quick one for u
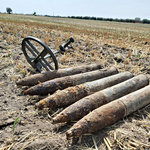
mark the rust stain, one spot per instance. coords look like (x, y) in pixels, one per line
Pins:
(97, 119)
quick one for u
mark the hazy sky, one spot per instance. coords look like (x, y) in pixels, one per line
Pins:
(97, 8)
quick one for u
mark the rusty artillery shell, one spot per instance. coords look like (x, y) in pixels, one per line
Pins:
(111, 112)
(72, 94)
(91, 102)
(61, 83)
(49, 75)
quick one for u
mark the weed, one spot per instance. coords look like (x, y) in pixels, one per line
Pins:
(22, 73)
(15, 124)
(138, 55)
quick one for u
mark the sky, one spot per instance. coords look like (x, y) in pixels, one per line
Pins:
(121, 9)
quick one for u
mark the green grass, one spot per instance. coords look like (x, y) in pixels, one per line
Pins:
(15, 124)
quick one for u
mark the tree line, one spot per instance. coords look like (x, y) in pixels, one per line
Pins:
(136, 20)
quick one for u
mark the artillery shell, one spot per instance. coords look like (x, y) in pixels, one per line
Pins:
(91, 102)
(49, 75)
(72, 94)
(110, 113)
(61, 83)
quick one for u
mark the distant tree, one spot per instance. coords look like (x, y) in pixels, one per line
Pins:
(110, 19)
(86, 17)
(100, 18)
(93, 18)
(34, 13)
(116, 19)
(132, 20)
(105, 19)
(9, 10)
(146, 21)
(127, 20)
(121, 20)
(138, 19)
(79, 17)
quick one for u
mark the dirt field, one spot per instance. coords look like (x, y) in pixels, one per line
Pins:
(125, 46)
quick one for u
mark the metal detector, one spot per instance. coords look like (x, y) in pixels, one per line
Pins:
(39, 55)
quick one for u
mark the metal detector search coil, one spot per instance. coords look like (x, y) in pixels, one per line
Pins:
(39, 55)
